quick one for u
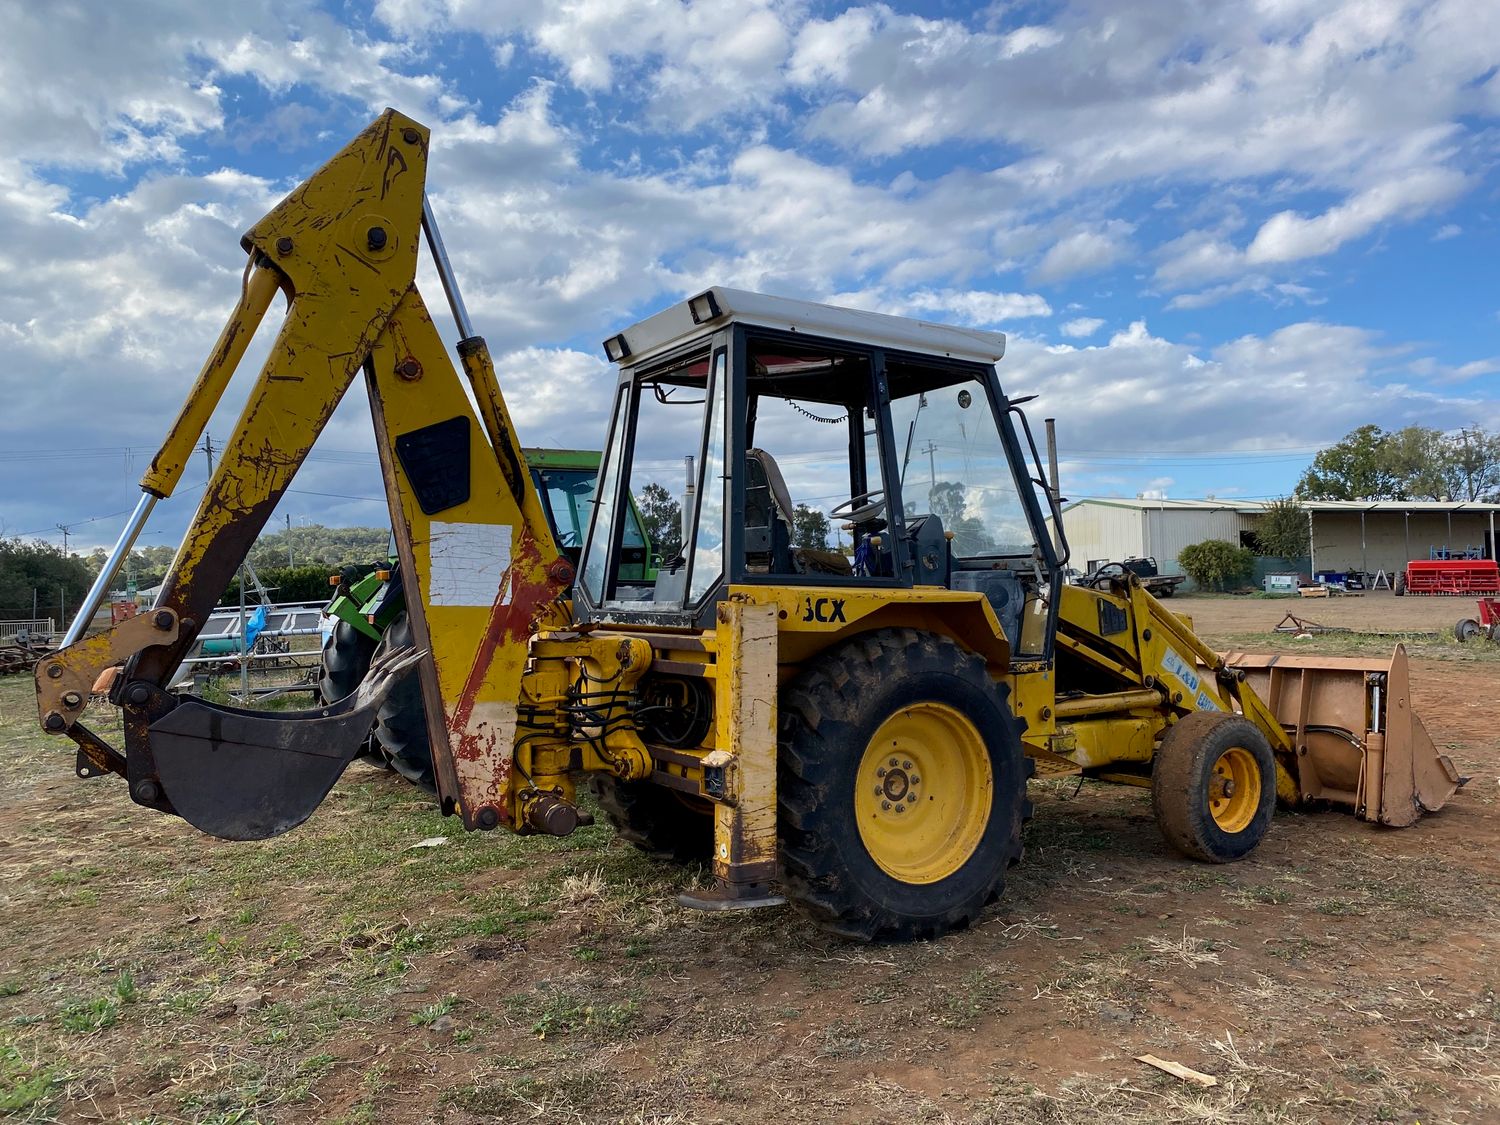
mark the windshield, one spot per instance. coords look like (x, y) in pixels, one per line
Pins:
(953, 465)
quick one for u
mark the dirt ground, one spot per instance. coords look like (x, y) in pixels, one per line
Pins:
(342, 973)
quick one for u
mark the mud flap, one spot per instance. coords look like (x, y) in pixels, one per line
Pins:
(249, 775)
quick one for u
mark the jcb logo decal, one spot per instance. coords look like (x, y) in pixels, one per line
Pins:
(825, 610)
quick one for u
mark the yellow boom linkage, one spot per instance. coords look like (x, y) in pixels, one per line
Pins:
(470, 531)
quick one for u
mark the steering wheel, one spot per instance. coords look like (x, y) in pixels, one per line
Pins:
(858, 509)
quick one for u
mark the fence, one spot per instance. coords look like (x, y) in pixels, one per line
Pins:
(8, 629)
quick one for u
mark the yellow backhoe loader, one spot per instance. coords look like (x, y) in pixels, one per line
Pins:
(850, 730)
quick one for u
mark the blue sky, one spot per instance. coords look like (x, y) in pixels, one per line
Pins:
(1219, 236)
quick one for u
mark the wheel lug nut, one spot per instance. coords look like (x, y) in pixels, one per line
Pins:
(915, 780)
(900, 808)
(906, 765)
(881, 772)
(885, 804)
(894, 762)
(879, 790)
(911, 798)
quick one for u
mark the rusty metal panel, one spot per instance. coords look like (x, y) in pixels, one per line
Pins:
(478, 572)
(745, 716)
(1357, 740)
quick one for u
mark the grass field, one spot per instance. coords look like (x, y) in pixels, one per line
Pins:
(345, 973)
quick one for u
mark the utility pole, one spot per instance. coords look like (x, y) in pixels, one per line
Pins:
(289, 562)
(64, 529)
(930, 450)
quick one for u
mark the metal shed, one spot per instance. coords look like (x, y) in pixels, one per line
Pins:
(1365, 535)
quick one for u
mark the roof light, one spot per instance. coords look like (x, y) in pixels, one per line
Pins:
(704, 307)
(616, 348)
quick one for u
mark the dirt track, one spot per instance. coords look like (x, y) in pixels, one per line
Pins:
(1343, 973)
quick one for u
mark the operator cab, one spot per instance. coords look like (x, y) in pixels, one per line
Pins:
(829, 447)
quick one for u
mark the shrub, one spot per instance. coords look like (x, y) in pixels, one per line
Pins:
(1214, 563)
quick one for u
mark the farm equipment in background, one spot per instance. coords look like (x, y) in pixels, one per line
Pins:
(1487, 625)
(1157, 584)
(852, 734)
(22, 650)
(1451, 577)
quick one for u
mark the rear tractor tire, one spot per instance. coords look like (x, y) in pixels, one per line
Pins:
(902, 787)
(656, 820)
(346, 660)
(345, 663)
(401, 722)
(1213, 786)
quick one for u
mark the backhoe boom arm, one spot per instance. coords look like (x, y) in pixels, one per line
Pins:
(478, 556)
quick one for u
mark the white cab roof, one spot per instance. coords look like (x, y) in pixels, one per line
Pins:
(675, 324)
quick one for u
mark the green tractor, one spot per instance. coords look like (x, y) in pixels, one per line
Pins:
(368, 610)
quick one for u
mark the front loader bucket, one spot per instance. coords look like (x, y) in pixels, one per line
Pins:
(249, 775)
(1358, 742)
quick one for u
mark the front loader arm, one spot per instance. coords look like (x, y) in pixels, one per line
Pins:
(477, 552)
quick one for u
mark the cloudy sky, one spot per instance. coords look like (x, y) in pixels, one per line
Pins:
(1219, 235)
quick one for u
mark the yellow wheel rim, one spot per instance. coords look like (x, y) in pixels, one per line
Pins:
(1234, 789)
(923, 793)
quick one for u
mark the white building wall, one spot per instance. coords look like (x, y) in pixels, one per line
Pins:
(1169, 530)
(1102, 532)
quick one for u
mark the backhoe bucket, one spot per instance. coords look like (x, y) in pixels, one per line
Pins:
(1357, 741)
(249, 775)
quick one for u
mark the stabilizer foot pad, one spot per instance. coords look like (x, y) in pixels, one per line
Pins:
(731, 896)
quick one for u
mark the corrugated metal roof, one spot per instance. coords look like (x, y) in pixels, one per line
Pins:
(1254, 507)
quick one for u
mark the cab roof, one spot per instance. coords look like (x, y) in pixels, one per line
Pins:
(718, 307)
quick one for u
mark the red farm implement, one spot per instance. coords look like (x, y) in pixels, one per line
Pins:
(1449, 577)
(1487, 625)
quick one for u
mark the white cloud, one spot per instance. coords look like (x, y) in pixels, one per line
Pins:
(1311, 382)
(1083, 252)
(1288, 236)
(1082, 326)
(1447, 231)
(1276, 292)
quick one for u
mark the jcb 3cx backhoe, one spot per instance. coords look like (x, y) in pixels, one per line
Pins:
(851, 733)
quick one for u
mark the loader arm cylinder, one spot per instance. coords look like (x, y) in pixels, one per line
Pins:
(95, 597)
(445, 271)
(256, 291)
(257, 288)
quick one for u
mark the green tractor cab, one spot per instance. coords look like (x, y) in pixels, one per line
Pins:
(369, 602)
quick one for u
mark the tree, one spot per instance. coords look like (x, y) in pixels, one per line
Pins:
(1282, 531)
(329, 547)
(39, 570)
(1354, 468)
(810, 528)
(1214, 563)
(662, 515)
(1418, 462)
(1474, 464)
(1413, 463)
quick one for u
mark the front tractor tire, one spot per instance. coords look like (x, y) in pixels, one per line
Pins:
(902, 787)
(1213, 786)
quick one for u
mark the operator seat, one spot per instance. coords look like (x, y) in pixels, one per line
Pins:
(768, 515)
